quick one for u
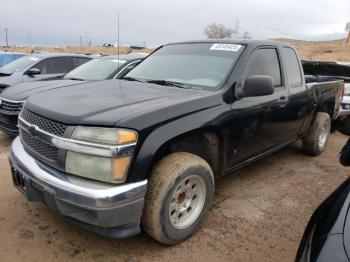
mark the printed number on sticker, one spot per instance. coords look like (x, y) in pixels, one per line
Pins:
(225, 47)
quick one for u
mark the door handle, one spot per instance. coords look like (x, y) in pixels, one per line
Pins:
(283, 101)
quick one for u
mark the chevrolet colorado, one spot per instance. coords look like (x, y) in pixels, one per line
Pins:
(145, 150)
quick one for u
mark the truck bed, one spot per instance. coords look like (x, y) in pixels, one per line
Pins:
(325, 82)
(327, 91)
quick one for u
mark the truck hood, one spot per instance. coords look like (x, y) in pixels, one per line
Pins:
(22, 91)
(11, 79)
(105, 103)
(5, 73)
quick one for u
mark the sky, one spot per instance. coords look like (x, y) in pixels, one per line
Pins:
(154, 22)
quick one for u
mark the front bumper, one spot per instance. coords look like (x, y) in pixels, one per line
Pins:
(109, 210)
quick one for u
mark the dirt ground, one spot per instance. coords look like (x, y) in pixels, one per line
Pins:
(259, 214)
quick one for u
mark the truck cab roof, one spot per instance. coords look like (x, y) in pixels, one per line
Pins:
(252, 43)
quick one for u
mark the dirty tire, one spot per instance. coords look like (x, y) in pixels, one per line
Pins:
(344, 126)
(167, 176)
(316, 139)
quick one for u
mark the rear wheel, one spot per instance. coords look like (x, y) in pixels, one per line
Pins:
(316, 139)
(179, 195)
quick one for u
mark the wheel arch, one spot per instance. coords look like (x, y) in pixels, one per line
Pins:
(328, 107)
(205, 142)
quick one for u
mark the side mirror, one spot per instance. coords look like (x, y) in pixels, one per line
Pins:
(33, 71)
(258, 85)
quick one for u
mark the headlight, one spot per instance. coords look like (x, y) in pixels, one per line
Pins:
(108, 169)
(113, 136)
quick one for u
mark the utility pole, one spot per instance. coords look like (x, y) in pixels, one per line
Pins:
(347, 28)
(6, 36)
(118, 35)
(81, 41)
(86, 39)
(236, 29)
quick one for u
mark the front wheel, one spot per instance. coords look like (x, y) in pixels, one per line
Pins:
(179, 195)
(316, 139)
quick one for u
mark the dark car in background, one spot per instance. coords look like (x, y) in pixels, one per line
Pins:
(327, 235)
(39, 67)
(8, 57)
(102, 68)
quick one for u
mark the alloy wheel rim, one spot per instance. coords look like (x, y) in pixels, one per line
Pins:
(322, 138)
(187, 202)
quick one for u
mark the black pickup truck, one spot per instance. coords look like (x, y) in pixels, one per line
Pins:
(145, 150)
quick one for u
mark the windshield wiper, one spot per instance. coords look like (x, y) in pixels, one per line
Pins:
(129, 78)
(167, 83)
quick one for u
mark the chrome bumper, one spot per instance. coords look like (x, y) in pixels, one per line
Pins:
(96, 205)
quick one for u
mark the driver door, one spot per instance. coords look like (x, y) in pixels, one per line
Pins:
(258, 123)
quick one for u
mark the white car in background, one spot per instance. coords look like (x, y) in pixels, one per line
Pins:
(344, 111)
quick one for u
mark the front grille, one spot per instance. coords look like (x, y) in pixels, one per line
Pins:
(39, 147)
(11, 106)
(9, 126)
(45, 124)
(42, 149)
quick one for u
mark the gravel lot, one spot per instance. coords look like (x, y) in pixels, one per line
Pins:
(259, 214)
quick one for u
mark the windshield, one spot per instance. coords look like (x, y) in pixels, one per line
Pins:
(96, 69)
(203, 65)
(8, 58)
(20, 63)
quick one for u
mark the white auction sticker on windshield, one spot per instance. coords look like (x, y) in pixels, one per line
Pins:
(226, 47)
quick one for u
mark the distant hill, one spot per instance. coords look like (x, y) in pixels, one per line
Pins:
(80, 50)
(335, 50)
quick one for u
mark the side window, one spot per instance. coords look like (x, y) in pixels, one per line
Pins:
(77, 61)
(55, 65)
(265, 62)
(292, 66)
